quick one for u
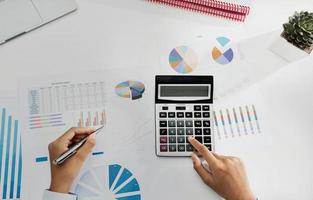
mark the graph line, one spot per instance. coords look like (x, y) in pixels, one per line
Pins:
(2, 140)
(7, 158)
(237, 122)
(256, 119)
(243, 120)
(13, 159)
(249, 118)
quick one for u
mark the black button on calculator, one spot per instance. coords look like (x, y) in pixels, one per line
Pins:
(180, 115)
(188, 114)
(197, 108)
(171, 115)
(163, 114)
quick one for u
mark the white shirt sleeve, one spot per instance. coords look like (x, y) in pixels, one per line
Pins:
(48, 195)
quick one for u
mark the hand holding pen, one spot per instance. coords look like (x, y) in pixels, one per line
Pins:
(62, 176)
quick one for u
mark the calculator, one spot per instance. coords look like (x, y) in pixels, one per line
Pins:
(183, 107)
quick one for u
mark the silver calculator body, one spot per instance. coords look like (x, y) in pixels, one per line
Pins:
(183, 107)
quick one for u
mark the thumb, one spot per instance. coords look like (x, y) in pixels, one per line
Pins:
(205, 175)
(86, 149)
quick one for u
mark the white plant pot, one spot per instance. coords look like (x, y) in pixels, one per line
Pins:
(286, 50)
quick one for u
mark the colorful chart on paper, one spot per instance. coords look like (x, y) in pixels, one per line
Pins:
(108, 182)
(221, 57)
(236, 121)
(130, 89)
(183, 59)
(10, 156)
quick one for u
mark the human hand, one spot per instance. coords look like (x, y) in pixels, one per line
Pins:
(226, 175)
(62, 176)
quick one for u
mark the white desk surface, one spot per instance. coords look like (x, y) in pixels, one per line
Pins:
(121, 34)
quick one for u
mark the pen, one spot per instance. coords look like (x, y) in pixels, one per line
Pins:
(73, 150)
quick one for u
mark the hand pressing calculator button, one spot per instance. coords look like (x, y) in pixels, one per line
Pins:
(183, 106)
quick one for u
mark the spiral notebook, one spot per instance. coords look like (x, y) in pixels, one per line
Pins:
(227, 10)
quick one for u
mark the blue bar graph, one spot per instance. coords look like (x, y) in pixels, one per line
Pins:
(7, 157)
(13, 159)
(2, 139)
(10, 157)
(19, 175)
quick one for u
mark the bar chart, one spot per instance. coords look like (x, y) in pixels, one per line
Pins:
(10, 156)
(236, 121)
(90, 118)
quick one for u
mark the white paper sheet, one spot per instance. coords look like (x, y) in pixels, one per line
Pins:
(49, 106)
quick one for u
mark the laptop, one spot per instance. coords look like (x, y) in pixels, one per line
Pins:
(21, 16)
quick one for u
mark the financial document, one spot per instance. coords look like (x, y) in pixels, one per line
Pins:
(49, 106)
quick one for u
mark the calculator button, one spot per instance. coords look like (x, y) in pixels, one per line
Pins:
(180, 131)
(198, 131)
(207, 139)
(171, 123)
(206, 124)
(164, 108)
(189, 124)
(171, 115)
(172, 139)
(198, 123)
(163, 123)
(181, 148)
(172, 131)
(189, 131)
(207, 131)
(180, 115)
(197, 114)
(197, 108)
(163, 148)
(163, 139)
(205, 108)
(206, 115)
(189, 147)
(208, 146)
(163, 131)
(180, 123)
(180, 108)
(172, 148)
(188, 114)
(163, 114)
(181, 139)
(199, 139)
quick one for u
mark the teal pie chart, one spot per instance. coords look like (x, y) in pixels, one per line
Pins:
(112, 182)
(220, 56)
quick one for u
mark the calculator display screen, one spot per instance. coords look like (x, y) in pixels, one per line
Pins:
(185, 91)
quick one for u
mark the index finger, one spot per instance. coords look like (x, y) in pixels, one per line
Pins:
(203, 151)
(74, 131)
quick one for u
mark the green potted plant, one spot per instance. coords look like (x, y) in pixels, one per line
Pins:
(299, 31)
(296, 40)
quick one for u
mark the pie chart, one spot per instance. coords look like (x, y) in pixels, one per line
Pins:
(112, 182)
(130, 89)
(220, 56)
(183, 59)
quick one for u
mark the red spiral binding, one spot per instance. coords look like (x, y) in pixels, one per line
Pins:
(212, 7)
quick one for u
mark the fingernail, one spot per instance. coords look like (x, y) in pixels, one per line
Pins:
(190, 138)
